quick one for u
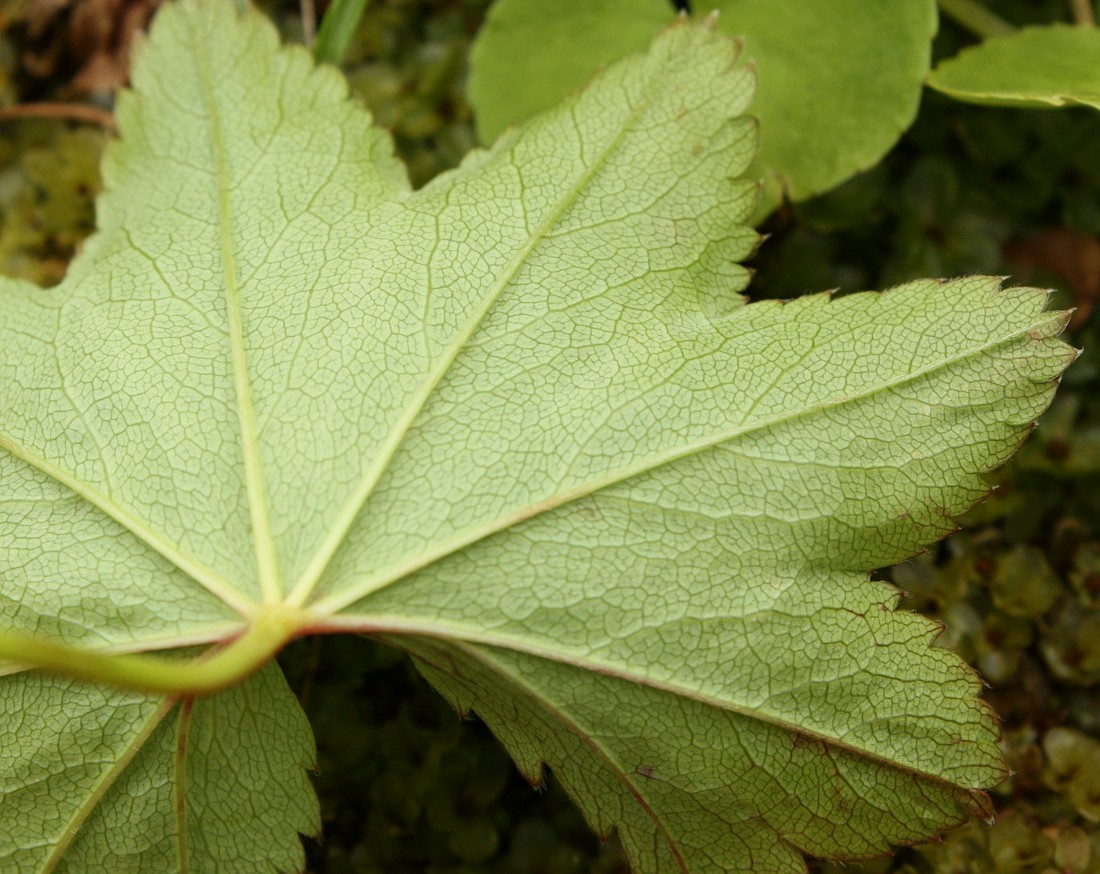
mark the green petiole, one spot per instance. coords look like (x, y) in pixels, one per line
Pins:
(337, 29)
(271, 629)
(976, 18)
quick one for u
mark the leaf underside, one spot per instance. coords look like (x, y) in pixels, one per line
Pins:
(518, 423)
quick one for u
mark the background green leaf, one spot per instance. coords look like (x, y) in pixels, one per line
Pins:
(1038, 67)
(526, 57)
(839, 80)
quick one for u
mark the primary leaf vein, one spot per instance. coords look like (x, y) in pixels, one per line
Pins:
(388, 576)
(263, 539)
(374, 471)
(204, 576)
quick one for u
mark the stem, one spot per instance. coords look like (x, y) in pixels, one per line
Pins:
(309, 22)
(337, 28)
(976, 18)
(1083, 13)
(69, 111)
(271, 629)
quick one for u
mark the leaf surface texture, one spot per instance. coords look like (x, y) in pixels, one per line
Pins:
(518, 423)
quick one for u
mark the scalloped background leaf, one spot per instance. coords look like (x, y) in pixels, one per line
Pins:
(839, 80)
(1038, 68)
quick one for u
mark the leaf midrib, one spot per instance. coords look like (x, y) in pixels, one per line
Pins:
(337, 534)
(573, 728)
(388, 576)
(209, 579)
(104, 784)
(455, 634)
(263, 540)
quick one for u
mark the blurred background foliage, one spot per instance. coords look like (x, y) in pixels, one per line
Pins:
(406, 788)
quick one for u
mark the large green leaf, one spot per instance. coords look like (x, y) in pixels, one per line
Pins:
(517, 423)
(839, 80)
(528, 56)
(1037, 67)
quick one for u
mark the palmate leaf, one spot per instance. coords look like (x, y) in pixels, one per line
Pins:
(517, 423)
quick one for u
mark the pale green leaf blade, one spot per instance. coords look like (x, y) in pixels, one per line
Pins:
(1036, 67)
(699, 382)
(578, 257)
(111, 781)
(248, 796)
(126, 509)
(730, 572)
(382, 406)
(733, 795)
(62, 741)
(171, 300)
(71, 572)
(839, 81)
(206, 376)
